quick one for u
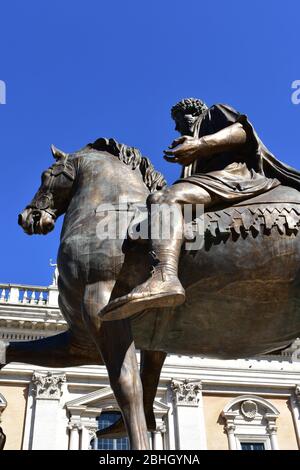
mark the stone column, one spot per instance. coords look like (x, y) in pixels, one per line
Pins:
(170, 420)
(230, 428)
(87, 434)
(272, 429)
(295, 408)
(47, 388)
(158, 441)
(189, 420)
(95, 443)
(3, 347)
(74, 433)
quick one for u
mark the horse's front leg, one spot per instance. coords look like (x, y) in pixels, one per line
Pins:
(115, 343)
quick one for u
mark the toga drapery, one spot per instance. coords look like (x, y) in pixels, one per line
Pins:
(236, 175)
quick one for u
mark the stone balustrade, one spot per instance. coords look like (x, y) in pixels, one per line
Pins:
(28, 295)
(29, 312)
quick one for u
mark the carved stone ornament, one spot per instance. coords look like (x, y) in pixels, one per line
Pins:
(75, 425)
(297, 394)
(92, 434)
(162, 428)
(249, 409)
(272, 428)
(185, 392)
(48, 386)
(230, 428)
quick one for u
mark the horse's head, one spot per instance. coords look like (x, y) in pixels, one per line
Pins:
(52, 198)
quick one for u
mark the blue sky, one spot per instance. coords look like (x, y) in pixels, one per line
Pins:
(78, 70)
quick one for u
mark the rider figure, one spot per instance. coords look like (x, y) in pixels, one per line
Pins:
(223, 161)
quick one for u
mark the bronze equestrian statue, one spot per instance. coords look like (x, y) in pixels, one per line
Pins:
(223, 162)
(236, 296)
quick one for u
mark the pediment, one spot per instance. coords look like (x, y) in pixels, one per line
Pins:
(104, 398)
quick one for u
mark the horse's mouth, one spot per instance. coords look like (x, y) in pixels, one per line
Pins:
(36, 222)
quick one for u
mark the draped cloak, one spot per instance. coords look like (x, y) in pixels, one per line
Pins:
(237, 174)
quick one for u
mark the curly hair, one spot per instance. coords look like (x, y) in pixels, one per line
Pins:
(189, 104)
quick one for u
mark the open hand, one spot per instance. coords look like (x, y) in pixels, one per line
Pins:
(183, 150)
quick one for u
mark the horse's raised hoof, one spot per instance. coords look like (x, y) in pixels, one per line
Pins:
(124, 307)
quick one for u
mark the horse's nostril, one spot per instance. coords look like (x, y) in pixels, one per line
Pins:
(20, 219)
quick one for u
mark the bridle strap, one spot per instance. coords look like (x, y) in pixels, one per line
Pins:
(44, 201)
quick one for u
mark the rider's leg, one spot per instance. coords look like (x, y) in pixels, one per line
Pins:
(162, 289)
(167, 249)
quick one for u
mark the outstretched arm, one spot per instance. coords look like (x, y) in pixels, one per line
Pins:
(186, 149)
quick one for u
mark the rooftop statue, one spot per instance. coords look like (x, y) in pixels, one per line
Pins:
(55, 273)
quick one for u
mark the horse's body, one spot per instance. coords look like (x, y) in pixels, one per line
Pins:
(242, 287)
(84, 259)
(242, 295)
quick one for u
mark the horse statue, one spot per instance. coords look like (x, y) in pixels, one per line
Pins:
(242, 284)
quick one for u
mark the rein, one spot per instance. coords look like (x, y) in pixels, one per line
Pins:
(45, 201)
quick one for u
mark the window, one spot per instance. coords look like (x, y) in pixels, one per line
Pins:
(104, 420)
(250, 423)
(252, 446)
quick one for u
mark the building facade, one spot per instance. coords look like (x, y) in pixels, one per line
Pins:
(250, 404)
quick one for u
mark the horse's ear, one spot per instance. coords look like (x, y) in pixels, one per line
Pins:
(58, 154)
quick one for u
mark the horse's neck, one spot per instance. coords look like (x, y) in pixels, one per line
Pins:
(103, 179)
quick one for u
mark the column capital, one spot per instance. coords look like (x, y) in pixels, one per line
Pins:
(77, 426)
(272, 429)
(297, 393)
(230, 428)
(271, 423)
(162, 428)
(92, 433)
(186, 392)
(48, 385)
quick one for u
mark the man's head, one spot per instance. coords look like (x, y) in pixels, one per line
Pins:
(185, 113)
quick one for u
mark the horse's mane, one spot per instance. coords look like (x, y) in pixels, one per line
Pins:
(132, 156)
